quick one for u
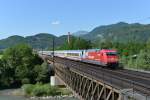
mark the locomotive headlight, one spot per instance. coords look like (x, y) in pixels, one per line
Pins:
(112, 59)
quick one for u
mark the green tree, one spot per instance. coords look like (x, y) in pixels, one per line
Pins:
(18, 64)
(81, 44)
(143, 60)
(148, 44)
(76, 43)
(41, 72)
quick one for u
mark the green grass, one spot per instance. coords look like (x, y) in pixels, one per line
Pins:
(65, 91)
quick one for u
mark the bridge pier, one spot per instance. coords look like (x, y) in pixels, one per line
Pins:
(55, 81)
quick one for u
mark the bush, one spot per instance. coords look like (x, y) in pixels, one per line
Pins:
(53, 91)
(28, 88)
(40, 90)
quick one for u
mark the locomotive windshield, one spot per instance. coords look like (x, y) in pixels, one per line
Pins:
(111, 53)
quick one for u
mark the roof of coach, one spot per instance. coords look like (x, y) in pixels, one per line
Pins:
(108, 50)
(93, 50)
(69, 51)
(74, 51)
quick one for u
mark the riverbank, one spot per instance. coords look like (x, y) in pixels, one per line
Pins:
(14, 94)
(11, 92)
(18, 94)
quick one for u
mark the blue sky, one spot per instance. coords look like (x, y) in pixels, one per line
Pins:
(29, 17)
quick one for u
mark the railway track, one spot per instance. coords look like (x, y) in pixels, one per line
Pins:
(122, 79)
(136, 73)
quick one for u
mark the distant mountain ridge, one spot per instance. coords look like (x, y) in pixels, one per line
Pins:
(39, 41)
(80, 33)
(119, 32)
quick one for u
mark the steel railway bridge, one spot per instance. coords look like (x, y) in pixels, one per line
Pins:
(91, 82)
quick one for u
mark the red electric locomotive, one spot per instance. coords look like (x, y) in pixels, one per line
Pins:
(103, 57)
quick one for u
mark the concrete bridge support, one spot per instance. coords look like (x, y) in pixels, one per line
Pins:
(55, 81)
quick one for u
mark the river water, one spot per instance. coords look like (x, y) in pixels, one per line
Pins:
(2, 97)
(5, 95)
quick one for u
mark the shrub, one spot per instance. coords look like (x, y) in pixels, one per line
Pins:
(28, 88)
(53, 91)
(40, 90)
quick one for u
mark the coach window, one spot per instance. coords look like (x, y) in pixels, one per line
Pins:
(82, 52)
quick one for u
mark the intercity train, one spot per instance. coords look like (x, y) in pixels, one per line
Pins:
(103, 57)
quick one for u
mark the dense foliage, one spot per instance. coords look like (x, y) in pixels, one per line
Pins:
(1, 52)
(20, 65)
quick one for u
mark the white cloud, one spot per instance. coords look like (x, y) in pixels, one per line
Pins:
(55, 23)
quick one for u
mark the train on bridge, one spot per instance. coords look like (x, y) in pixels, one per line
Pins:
(104, 57)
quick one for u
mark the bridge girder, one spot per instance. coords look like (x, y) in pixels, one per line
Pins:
(84, 87)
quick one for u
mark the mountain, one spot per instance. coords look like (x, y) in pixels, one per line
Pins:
(120, 32)
(80, 33)
(12, 40)
(39, 41)
(42, 40)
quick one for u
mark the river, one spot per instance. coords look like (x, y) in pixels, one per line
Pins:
(4, 97)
